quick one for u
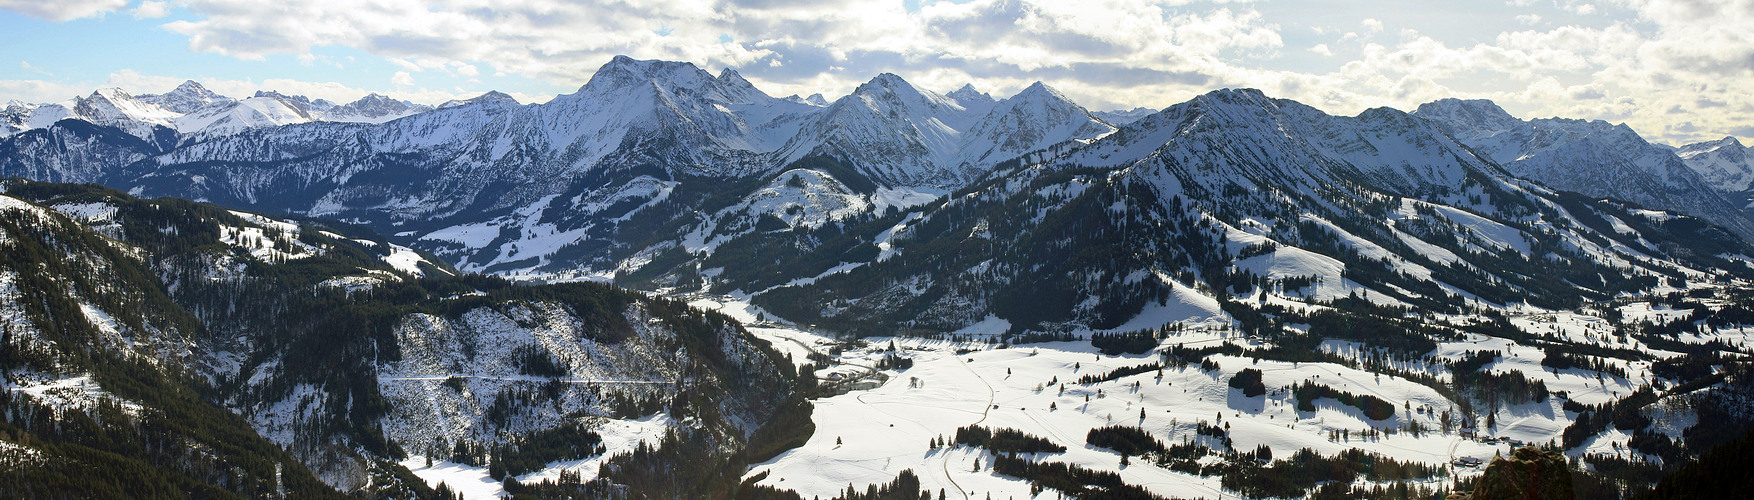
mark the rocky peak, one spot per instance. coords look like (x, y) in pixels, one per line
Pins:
(968, 95)
(623, 71)
(186, 98)
(1457, 115)
(298, 102)
(1726, 144)
(883, 83)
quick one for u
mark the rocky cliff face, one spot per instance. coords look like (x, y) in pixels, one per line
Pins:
(1529, 473)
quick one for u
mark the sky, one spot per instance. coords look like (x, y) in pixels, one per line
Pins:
(1677, 71)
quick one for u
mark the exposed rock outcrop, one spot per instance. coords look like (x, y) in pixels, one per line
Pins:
(1529, 474)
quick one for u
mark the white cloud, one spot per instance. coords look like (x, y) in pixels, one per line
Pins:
(784, 46)
(62, 10)
(27, 66)
(40, 90)
(152, 10)
(1630, 60)
(405, 64)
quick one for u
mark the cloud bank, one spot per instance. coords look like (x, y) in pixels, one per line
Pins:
(1629, 61)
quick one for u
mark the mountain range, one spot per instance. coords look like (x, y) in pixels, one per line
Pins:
(192, 112)
(365, 282)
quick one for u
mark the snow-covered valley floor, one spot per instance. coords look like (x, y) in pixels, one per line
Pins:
(870, 434)
(868, 437)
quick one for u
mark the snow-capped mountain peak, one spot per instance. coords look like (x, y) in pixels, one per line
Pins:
(1043, 91)
(492, 97)
(904, 136)
(1037, 118)
(1484, 114)
(622, 72)
(967, 95)
(186, 98)
(893, 93)
(1727, 141)
(1241, 137)
(264, 110)
(114, 103)
(737, 89)
(1121, 117)
(1592, 157)
(896, 133)
(298, 101)
(373, 108)
(1244, 100)
(1724, 163)
(116, 108)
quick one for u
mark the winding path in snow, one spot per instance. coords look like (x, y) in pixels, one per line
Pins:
(985, 410)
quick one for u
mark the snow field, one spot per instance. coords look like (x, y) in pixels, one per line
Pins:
(475, 484)
(885, 430)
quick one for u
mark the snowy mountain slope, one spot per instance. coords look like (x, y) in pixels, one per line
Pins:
(97, 359)
(15, 117)
(895, 134)
(654, 168)
(115, 108)
(1589, 157)
(230, 118)
(188, 97)
(1725, 163)
(110, 107)
(1035, 119)
(902, 136)
(71, 151)
(347, 352)
(487, 161)
(1123, 117)
(1727, 166)
(972, 99)
(491, 96)
(373, 108)
(1232, 193)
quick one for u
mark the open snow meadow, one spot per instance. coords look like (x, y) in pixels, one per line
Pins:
(869, 436)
